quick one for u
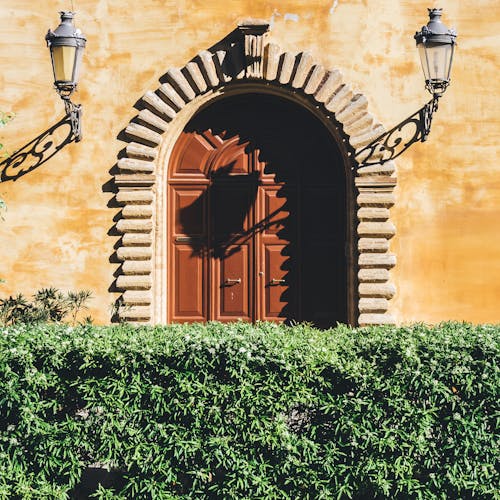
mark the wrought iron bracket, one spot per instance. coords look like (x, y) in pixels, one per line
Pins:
(426, 116)
(396, 141)
(74, 113)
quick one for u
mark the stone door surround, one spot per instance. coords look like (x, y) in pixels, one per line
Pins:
(249, 63)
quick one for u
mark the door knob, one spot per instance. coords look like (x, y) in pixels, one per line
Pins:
(230, 281)
(275, 281)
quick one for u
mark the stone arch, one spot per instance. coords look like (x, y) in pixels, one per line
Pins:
(249, 62)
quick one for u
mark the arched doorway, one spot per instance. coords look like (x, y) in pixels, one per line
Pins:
(248, 63)
(257, 218)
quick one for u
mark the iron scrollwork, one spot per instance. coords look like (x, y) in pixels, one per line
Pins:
(37, 151)
(396, 141)
(74, 113)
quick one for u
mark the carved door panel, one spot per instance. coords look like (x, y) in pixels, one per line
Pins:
(276, 252)
(232, 248)
(187, 255)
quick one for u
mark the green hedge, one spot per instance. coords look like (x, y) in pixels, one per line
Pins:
(241, 411)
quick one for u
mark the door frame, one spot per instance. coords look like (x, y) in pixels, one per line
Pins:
(249, 64)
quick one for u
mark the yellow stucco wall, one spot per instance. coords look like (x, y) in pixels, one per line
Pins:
(55, 231)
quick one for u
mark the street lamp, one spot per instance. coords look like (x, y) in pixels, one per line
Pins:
(66, 46)
(436, 44)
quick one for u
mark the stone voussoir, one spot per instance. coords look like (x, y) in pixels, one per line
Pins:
(306, 62)
(363, 122)
(152, 120)
(362, 140)
(374, 275)
(373, 305)
(315, 78)
(135, 196)
(386, 168)
(128, 165)
(332, 80)
(134, 282)
(373, 245)
(339, 100)
(141, 152)
(137, 267)
(209, 70)
(373, 213)
(385, 260)
(141, 132)
(160, 106)
(374, 199)
(180, 84)
(135, 313)
(137, 211)
(271, 61)
(134, 253)
(384, 290)
(287, 64)
(168, 91)
(375, 319)
(137, 297)
(137, 239)
(355, 108)
(376, 229)
(193, 70)
(134, 225)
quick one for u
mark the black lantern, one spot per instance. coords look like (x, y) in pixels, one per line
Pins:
(436, 44)
(66, 46)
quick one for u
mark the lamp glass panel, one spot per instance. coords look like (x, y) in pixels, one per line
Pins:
(450, 59)
(63, 61)
(78, 64)
(438, 58)
(423, 59)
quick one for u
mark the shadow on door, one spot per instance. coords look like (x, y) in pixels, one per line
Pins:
(279, 197)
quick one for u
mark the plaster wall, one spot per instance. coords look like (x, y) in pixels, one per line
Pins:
(56, 229)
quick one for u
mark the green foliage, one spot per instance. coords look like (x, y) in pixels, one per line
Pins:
(48, 304)
(4, 119)
(239, 411)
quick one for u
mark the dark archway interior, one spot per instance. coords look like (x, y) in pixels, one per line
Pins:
(294, 158)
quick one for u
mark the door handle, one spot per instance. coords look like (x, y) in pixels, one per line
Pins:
(275, 281)
(231, 281)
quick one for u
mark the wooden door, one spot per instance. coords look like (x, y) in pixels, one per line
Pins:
(257, 216)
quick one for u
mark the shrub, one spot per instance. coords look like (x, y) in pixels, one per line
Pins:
(48, 304)
(241, 411)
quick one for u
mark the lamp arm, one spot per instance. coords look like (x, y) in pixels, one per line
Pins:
(426, 114)
(397, 140)
(74, 112)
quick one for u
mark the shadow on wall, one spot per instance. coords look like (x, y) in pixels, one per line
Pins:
(36, 152)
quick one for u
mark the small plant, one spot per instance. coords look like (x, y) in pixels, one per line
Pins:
(4, 119)
(48, 305)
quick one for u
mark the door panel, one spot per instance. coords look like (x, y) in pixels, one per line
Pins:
(275, 283)
(189, 296)
(189, 207)
(188, 240)
(235, 289)
(276, 221)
